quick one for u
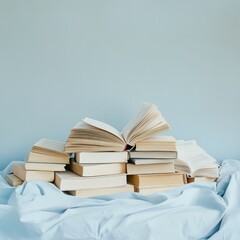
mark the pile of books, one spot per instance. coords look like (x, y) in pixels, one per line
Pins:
(106, 161)
(95, 173)
(151, 166)
(101, 154)
(45, 158)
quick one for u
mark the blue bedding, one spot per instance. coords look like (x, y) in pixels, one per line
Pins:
(39, 210)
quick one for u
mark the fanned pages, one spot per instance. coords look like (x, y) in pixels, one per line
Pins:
(95, 136)
(194, 161)
(148, 122)
(49, 146)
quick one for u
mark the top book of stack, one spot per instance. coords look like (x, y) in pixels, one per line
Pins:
(94, 136)
(157, 143)
(48, 151)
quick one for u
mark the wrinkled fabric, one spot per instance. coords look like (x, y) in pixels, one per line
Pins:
(39, 210)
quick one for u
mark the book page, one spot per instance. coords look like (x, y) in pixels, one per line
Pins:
(103, 126)
(148, 122)
(190, 153)
(50, 144)
(144, 109)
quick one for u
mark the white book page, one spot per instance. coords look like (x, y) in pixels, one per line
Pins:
(50, 144)
(194, 156)
(103, 126)
(146, 107)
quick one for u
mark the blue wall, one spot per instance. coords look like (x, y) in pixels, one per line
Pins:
(63, 60)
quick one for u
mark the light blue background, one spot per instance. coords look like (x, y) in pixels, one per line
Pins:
(63, 60)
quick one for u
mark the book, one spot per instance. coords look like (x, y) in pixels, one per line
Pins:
(13, 180)
(67, 181)
(29, 175)
(133, 169)
(97, 169)
(157, 180)
(45, 166)
(194, 161)
(200, 179)
(101, 191)
(157, 143)
(101, 157)
(48, 151)
(147, 191)
(143, 161)
(91, 135)
(153, 154)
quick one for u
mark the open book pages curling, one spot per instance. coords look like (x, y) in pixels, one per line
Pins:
(194, 161)
(92, 135)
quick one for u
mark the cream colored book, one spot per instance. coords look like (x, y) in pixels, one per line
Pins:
(45, 166)
(101, 157)
(194, 161)
(157, 143)
(92, 135)
(143, 161)
(97, 169)
(133, 169)
(43, 158)
(153, 154)
(148, 191)
(102, 191)
(200, 179)
(28, 175)
(157, 180)
(48, 151)
(68, 181)
(13, 180)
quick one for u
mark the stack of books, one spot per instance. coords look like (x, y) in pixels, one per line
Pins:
(95, 173)
(45, 158)
(102, 151)
(151, 166)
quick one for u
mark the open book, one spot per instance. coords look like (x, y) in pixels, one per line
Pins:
(92, 135)
(194, 161)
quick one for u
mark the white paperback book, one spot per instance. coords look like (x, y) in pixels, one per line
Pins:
(195, 161)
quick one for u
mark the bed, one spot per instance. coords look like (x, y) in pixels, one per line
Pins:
(39, 210)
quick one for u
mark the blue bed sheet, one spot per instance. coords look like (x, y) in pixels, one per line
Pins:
(39, 210)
